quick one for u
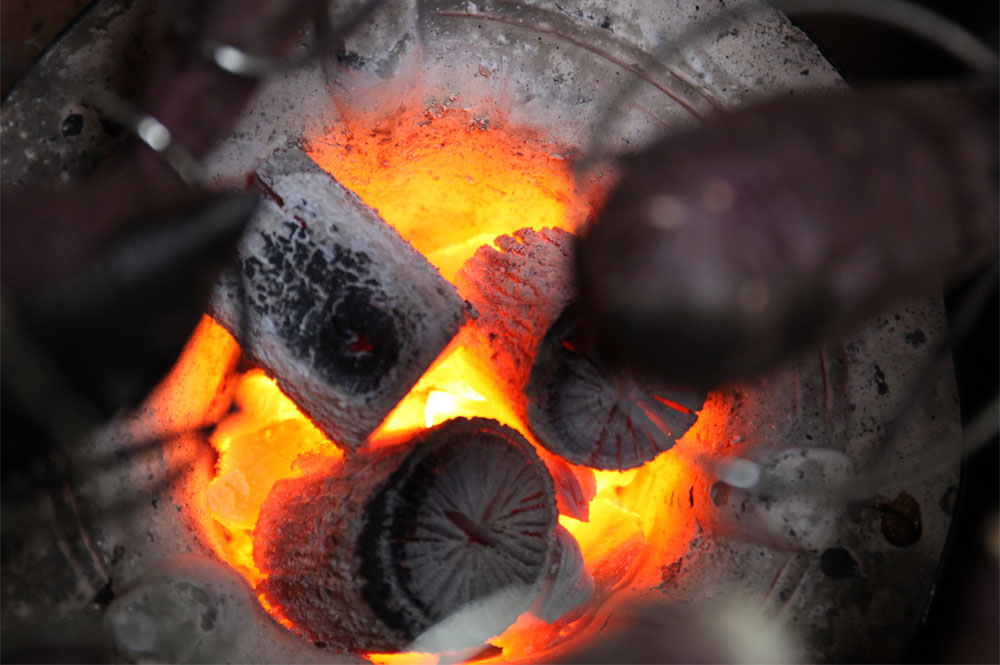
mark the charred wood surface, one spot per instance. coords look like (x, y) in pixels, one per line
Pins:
(332, 302)
(576, 405)
(372, 553)
(569, 584)
(593, 415)
(519, 288)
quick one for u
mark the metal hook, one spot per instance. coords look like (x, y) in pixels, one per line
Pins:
(149, 130)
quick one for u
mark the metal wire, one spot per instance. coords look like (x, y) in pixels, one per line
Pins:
(32, 377)
(149, 130)
(240, 62)
(230, 59)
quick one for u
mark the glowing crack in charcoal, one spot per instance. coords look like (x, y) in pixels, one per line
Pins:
(449, 184)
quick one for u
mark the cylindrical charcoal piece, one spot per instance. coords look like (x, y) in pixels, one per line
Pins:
(569, 584)
(596, 416)
(391, 542)
(332, 302)
(519, 288)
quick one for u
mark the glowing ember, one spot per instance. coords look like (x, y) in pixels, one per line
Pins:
(265, 441)
(449, 185)
(455, 386)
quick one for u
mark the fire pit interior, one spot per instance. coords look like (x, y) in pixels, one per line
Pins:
(449, 183)
(387, 425)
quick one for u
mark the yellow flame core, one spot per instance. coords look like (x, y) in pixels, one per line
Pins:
(455, 386)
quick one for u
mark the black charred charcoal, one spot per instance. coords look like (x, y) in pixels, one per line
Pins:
(332, 302)
(470, 513)
(378, 550)
(590, 414)
(576, 406)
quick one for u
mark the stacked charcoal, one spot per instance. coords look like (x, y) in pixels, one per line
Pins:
(387, 548)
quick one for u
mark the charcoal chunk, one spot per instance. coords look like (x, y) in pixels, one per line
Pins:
(518, 288)
(578, 406)
(597, 416)
(332, 302)
(376, 551)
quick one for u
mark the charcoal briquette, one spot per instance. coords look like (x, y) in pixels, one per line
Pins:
(332, 302)
(372, 553)
(597, 416)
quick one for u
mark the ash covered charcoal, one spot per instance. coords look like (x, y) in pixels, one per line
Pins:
(519, 288)
(569, 584)
(590, 414)
(373, 553)
(332, 302)
(576, 406)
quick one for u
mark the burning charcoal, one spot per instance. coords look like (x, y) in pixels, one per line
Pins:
(581, 409)
(575, 486)
(519, 291)
(576, 406)
(332, 302)
(569, 584)
(382, 548)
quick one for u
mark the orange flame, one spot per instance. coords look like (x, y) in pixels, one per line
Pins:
(448, 184)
